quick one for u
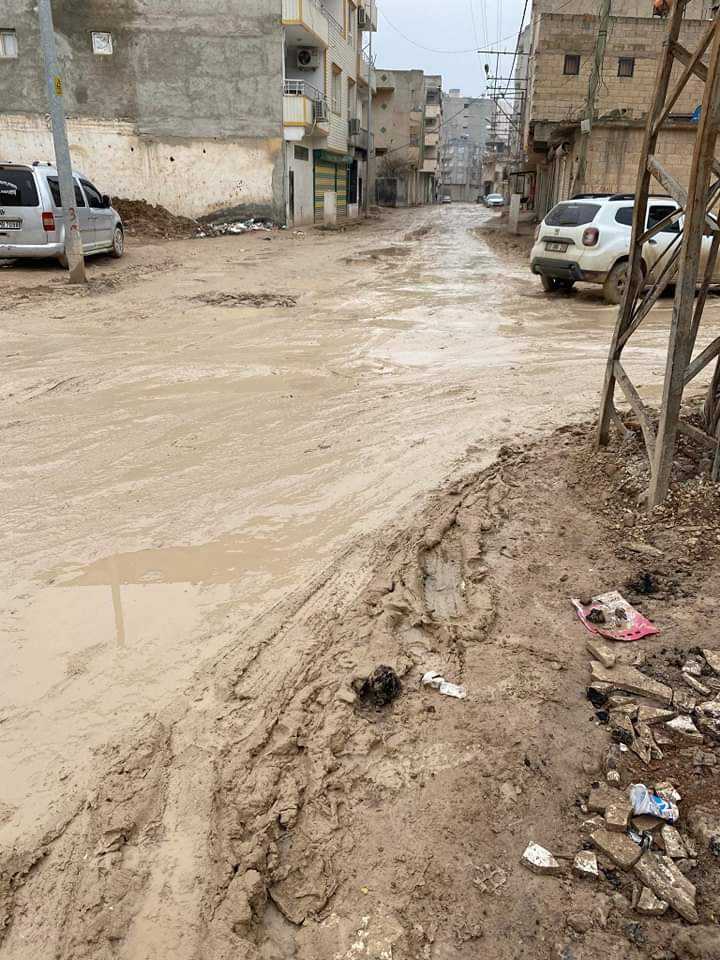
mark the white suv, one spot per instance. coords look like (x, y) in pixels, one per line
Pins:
(588, 239)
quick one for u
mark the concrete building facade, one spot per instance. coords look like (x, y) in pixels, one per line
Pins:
(190, 108)
(563, 37)
(407, 119)
(463, 141)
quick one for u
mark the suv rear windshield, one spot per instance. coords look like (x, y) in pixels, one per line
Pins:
(572, 214)
(17, 188)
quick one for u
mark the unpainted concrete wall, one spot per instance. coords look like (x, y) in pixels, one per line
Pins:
(200, 83)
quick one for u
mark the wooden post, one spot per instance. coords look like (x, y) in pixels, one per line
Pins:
(682, 328)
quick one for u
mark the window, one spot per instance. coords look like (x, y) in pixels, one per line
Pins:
(658, 212)
(572, 214)
(336, 89)
(624, 216)
(8, 44)
(626, 66)
(301, 153)
(17, 189)
(93, 195)
(571, 67)
(102, 44)
(54, 185)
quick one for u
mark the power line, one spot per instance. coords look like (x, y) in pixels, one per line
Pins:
(421, 46)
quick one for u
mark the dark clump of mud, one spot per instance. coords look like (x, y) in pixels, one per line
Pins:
(245, 299)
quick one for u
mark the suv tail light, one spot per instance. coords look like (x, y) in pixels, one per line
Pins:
(48, 222)
(590, 237)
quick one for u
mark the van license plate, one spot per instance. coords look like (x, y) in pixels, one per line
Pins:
(10, 224)
(557, 247)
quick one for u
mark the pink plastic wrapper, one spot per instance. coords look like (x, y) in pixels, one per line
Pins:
(622, 621)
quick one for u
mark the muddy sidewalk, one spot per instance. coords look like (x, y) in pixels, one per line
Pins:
(269, 812)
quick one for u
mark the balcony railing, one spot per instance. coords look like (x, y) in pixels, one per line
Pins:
(301, 88)
(304, 104)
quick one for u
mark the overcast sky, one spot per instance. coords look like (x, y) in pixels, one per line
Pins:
(455, 25)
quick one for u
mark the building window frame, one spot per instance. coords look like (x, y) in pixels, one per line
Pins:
(8, 43)
(571, 65)
(626, 67)
(336, 89)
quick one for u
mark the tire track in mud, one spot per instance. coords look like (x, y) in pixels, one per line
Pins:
(238, 802)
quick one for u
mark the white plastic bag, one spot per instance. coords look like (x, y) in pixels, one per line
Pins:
(434, 680)
(644, 801)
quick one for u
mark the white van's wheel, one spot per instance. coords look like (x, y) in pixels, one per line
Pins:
(118, 246)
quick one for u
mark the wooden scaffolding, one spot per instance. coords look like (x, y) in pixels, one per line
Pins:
(680, 263)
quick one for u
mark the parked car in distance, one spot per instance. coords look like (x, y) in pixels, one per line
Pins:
(32, 221)
(446, 198)
(494, 200)
(588, 237)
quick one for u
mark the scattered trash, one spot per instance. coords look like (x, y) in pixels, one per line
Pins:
(540, 860)
(611, 616)
(644, 801)
(381, 687)
(234, 227)
(434, 680)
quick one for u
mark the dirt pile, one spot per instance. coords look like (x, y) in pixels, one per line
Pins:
(506, 244)
(151, 220)
(272, 813)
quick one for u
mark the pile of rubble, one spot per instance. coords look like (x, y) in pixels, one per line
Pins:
(232, 227)
(662, 713)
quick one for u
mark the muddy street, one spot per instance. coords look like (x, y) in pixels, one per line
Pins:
(206, 442)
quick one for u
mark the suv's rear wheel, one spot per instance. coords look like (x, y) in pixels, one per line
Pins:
(118, 247)
(616, 283)
(553, 284)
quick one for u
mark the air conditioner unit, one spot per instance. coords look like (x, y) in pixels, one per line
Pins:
(354, 126)
(320, 111)
(308, 58)
(363, 18)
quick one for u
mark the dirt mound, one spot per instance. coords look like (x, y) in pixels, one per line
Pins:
(270, 813)
(506, 244)
(144, 219)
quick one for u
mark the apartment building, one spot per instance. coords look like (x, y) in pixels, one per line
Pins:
(464, 135)
(250, 108)
(407, 119)
(562, 45)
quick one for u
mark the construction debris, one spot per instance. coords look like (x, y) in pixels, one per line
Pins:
(686, 728)
(618, 846)
(631, 680)
(649, 905)
(668, 883)
(585, 865)
(540, 860)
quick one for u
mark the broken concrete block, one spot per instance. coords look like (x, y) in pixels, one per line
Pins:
(704, 825)
(695, 685)
(710, 708)
(649, 905)
(618, 846)
(613, 776)
(644, 745)
(617, 816)
(629, 709)
(622, 728)
(602, 652)
(662, 737)
(618, 700)
(540, 860)
(579, 922)
(602, 796)
(693, 666)
(591, 825)
(712, 658)
(683, 702)
(627, 678)
(651, 715)
(645, 549)
(667, 882)
(685, 728)
(672, 843)
(645, 823)
(585, 865)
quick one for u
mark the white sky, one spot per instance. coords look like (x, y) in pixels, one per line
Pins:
(447, 26)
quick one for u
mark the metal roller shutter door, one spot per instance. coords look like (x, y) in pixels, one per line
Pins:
(330, 176)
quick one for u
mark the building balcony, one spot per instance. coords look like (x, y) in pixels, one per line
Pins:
(432, 110)
(360, 137)
(432, 139)
(366, 72)
(306, 23)
(305, 110)
(368, 16)
(429, 166)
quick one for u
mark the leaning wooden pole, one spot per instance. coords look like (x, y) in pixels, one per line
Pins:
(684, 325)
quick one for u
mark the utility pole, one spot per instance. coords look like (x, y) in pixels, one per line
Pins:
(73, 240)
(371, 136)
(595, 74)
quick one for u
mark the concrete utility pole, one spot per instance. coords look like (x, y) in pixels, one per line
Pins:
(73, 240)
(595, 74)
(371, 137)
